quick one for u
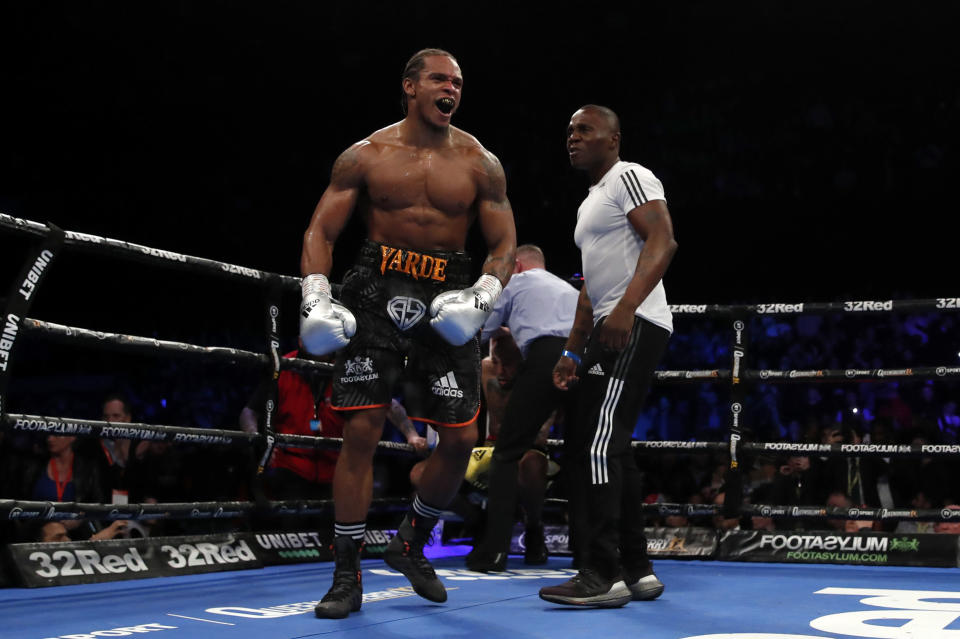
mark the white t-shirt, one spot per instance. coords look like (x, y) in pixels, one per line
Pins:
(610, 245)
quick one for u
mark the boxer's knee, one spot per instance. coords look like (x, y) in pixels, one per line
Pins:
(416, 474)
(362, 431)
(457, 443)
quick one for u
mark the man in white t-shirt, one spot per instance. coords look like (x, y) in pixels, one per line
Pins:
(619, 335)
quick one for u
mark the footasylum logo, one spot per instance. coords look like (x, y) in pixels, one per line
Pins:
(358, 369)
(824, 542)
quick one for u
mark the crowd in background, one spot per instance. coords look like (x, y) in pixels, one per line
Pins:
(181, 393)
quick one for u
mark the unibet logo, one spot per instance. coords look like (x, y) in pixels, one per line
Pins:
(446, 386)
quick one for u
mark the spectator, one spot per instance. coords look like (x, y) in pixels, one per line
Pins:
(918, 502)
(719, 521)
(116, 410)
(855, 477)
(795, 485)
(303, 408)
(117, 457)
(71, 472)
(838, 499)
(952, 527)
(160, 474)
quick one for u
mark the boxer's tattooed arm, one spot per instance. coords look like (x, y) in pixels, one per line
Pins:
(501, 266)
(332, 212)
(496, 218)
(346, 170)
(495, 187)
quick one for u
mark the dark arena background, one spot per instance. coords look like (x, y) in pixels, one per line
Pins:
(808, 151)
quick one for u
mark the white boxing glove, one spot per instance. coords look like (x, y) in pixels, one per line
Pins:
(324, 325)
(458, 315)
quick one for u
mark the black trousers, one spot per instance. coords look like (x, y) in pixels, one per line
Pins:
(531, 401)
(606, 520)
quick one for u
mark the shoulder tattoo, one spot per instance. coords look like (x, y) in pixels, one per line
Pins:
(495, 186)
(345, 168)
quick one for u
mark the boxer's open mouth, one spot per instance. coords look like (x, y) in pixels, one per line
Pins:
(446, 105)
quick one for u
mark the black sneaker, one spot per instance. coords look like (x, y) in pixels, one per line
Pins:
(479, 560)
(644, 585)
(535, 546)
(587, 588)
(346, 593)
(404, 554)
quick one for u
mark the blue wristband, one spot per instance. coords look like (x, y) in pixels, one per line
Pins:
(571, 355)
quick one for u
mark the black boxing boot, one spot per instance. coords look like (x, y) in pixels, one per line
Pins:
(346, 593)
(404, 554)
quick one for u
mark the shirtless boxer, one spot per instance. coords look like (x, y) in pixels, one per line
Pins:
(408, 313)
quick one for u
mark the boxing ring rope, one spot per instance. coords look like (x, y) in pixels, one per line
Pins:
(136, 344)
(796, 512)
(68, 426)
(58, 511)
(148, 255)
(53, 239)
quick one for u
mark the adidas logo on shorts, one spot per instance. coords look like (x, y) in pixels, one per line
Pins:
(595, 370)
(446, 386)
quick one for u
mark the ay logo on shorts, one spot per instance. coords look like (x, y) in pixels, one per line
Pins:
(405, 311)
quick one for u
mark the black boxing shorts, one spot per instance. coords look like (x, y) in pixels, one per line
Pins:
(395, 350)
